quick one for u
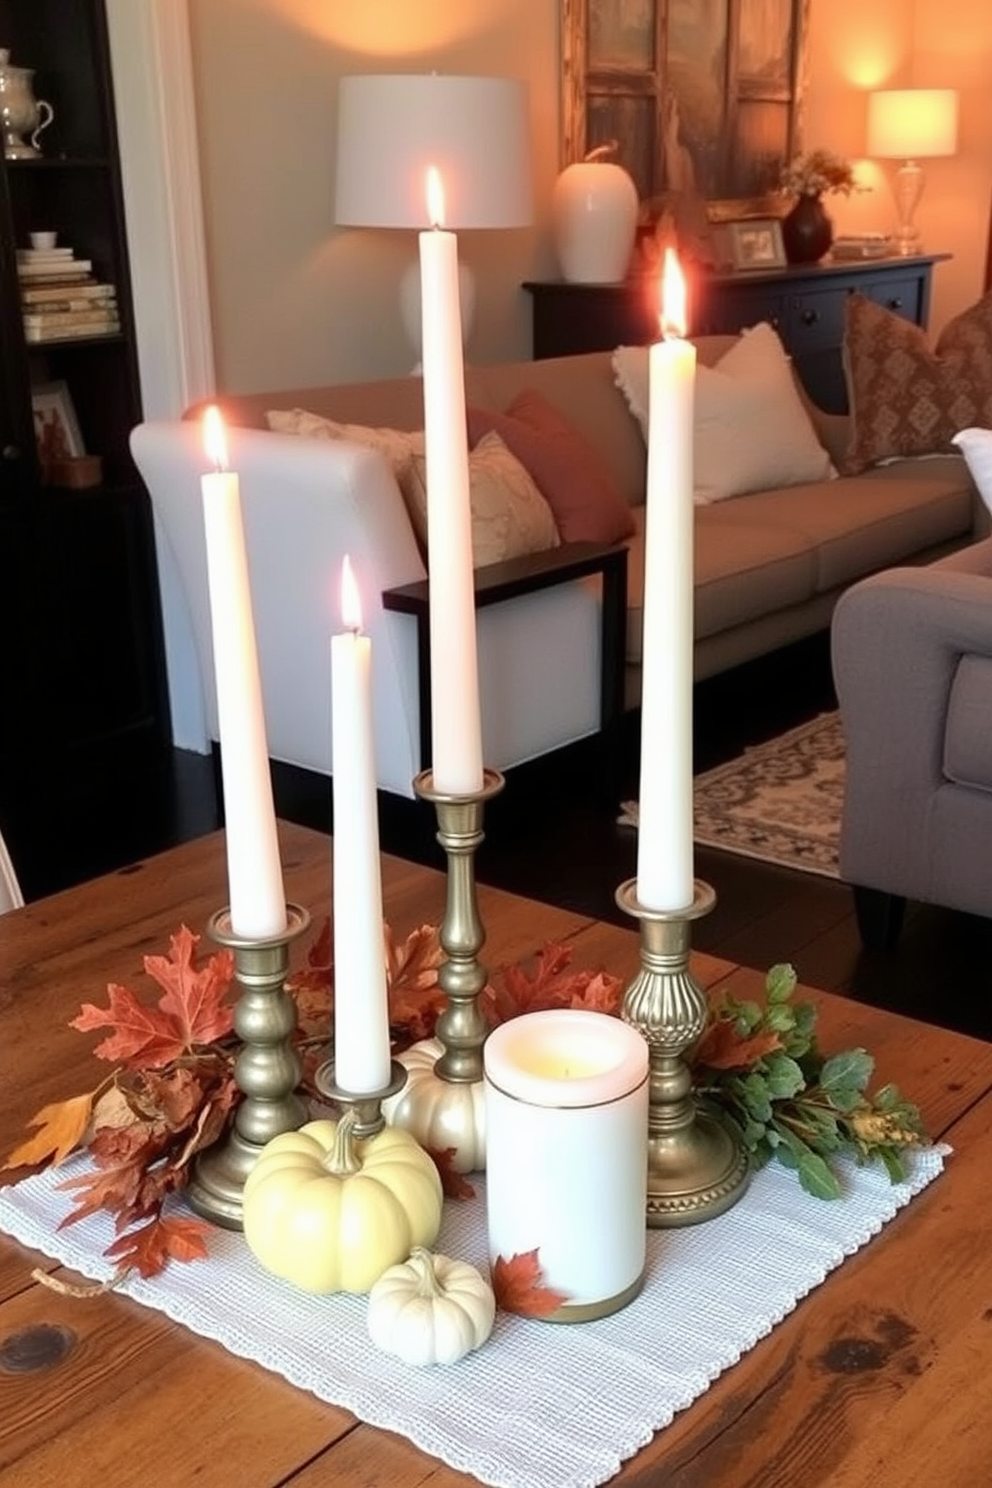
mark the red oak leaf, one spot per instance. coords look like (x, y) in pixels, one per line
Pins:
(518, 1287)
(114, 1189)
(191, 1012)
(549, 985)
(162, 1239)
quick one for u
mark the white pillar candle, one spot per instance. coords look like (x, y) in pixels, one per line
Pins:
(361, 1015)
(566, 1153)
(664, 841)
(255, 887)
(456, 730)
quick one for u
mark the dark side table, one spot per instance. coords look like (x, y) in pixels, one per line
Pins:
(499, 582)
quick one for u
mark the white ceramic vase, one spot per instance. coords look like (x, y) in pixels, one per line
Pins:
(594, 206)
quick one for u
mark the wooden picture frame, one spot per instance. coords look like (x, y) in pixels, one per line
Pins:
(701, 101)
(56, 428)
(755, 243)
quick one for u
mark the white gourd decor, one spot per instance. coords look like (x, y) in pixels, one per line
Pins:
(441, 1114)
(430, 1309)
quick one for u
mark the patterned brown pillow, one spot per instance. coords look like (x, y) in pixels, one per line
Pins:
(904, 398)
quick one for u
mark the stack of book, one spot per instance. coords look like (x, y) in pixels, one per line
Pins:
(60, 297)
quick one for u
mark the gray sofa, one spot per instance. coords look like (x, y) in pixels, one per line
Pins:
(912, 656)
(769, 566)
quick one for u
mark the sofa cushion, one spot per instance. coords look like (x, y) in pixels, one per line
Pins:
(751, 429)
(904, 398)
(510, 517)
(742, 571)
(573, 478)
(858, 524)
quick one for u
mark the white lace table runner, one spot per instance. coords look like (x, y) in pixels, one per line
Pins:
(541, 1405)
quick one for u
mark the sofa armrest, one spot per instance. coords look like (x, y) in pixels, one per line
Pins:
(897, 641)
(499, 582)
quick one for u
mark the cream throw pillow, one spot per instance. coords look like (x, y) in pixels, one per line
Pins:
(751, 431)
(396, 445)
(510, 517)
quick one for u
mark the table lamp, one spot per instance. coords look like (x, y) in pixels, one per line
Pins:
(910, 124)
(476, 130)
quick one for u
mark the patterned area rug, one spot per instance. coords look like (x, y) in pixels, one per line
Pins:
(780, 801)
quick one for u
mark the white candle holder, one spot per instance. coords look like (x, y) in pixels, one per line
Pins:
(697, 1164)
(267, 1069)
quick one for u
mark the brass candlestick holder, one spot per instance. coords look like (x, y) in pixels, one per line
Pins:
(369, 1117)
(697, 1166)
(443, 1105)
(461, 1028)
(267, 1069)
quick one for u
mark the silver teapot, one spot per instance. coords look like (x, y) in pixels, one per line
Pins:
(20, 111)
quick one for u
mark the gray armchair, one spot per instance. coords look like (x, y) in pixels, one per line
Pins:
(912, 660)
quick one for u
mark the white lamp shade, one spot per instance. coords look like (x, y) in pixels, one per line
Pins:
(475, 130)
(912, 123)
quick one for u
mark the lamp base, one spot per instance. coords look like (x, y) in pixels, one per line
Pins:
(410, 305)
(910, 181)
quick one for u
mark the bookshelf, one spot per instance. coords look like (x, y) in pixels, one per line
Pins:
(81, 668)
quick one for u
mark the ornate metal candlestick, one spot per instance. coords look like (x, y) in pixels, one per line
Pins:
(443, 1104)
(697, 1166)
(267, 1069)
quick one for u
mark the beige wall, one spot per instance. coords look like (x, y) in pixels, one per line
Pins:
(297, 302)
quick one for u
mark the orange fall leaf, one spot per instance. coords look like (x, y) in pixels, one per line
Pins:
(518, 1286)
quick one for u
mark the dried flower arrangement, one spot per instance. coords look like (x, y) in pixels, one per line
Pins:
(816, 173)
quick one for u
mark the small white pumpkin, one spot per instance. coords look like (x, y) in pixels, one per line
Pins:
(430, 1309)
(440, 1113)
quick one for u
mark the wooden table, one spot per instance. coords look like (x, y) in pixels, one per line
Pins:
(880, 1377)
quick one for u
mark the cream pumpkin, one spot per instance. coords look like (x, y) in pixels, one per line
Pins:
(331, 1213)
(430, 1309)
(441, 1114)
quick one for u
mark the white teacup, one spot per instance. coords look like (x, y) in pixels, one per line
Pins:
(44, 240)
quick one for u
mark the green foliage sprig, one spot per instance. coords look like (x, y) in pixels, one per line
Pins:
(762, 1067)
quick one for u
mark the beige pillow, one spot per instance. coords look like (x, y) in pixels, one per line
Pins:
(396, 445)
(751, 431)
(905, 399)
(510, 517)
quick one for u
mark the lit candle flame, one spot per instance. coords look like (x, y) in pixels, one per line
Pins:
(673, 296)
(351, 603)
(435, 196)
(214, 437)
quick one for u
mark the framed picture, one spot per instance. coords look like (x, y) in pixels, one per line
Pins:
(703, 99)
(56, 428)
(755, 243)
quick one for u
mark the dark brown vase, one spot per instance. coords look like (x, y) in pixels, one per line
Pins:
(807, 231)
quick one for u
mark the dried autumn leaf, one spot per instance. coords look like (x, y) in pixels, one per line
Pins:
(61, 1128)
(518, 1286)
(454, 1184)
(721, 1047)
(194, 997)
(413, 966)
(114, 1189)
(550, 984)
(147, 1249)
(318, 974)
(142, 1035)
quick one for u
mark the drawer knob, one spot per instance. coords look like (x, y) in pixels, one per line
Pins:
(895, 303)
(810, 317)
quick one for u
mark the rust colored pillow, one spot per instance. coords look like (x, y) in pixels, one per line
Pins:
(904, 398)
(569, 472)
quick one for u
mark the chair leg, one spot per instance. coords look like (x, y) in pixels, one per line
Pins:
(879, 917)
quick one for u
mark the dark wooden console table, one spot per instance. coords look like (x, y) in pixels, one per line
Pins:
(805, 304)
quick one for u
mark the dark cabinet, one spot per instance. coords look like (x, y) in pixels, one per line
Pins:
(82, 670)
(805, 304)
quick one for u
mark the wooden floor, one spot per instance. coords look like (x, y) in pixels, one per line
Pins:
(552, 835)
